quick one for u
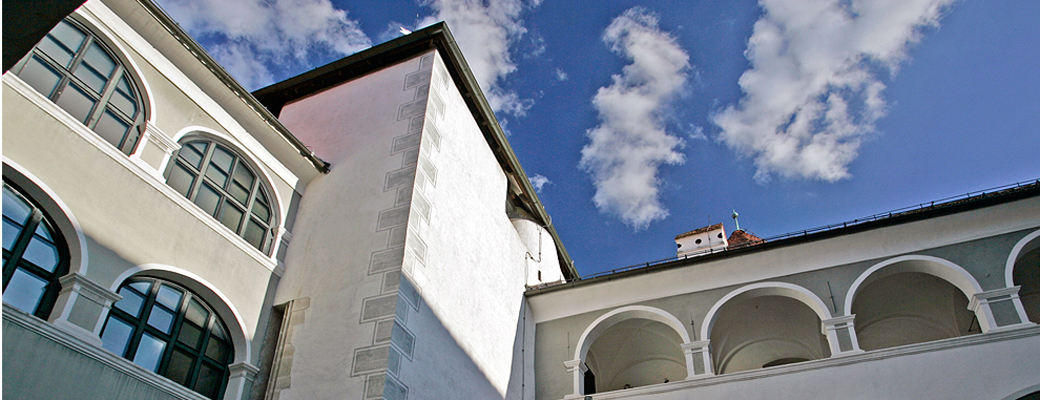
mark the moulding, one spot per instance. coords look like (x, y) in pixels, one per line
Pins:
(98, 354)
(88, 288)
(162, 140)
(939, 345)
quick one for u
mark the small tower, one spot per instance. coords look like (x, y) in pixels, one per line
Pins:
(701, 241)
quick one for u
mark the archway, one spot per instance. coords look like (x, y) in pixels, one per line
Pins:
(912, 299)
(633, 346)
(766, 325)
(1023, 270)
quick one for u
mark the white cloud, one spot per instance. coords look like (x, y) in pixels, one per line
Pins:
(252, 37)
(539, 181)
(486, 31)
(560, 74)
(812, 93)
(630, 143)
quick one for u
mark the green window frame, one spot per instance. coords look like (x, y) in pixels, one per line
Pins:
(171, 331)
(35, 255)
(76, 70)
(223, 183)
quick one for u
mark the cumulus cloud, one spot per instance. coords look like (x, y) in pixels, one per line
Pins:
(539, 181)
(813, 93)
(630, 143)
(486, 30)
(260, 40)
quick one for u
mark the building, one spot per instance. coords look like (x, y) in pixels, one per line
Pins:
(364, 231)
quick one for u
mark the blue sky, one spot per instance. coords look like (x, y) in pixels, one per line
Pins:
(643, 120)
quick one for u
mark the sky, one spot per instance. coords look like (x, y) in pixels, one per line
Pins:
(640, 120)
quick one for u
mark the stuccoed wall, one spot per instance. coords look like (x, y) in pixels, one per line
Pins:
(345, 257)
(466, 262)
(979, 241)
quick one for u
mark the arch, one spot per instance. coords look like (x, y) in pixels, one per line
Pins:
(1029, 243)
(766, 289)
(86, 16)
(76, 67)
(935, 266)
(221, 304)
(1031, 392)
(605, 321)
(246, 203)
(229, 140)
(59, 212)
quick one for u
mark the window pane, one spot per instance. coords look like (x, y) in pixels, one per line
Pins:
(98, 59)
(144, 287)
(116, 335)
(231, 216)
(112, 128)
(93, 78)
(181, 179)
(207, 198)
(239, 193)
(131, 302)
(123, 99)
(195, 152)
(24, 291)
(41, 253)
(161, 319)
(254, 234)
(149, 352)
(179, 367)
(196, 313)
(261, 210)
(15, 208)
(213, 172)
(40, 76)
(216, 349)
(190, 335)
(209, 381)
(222, 159)
(243, 176)
(11, 232)
(68, 35)
(76, 102)
(169, 297)
(50, 46)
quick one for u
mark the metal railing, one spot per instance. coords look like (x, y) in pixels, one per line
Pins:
(805, 232)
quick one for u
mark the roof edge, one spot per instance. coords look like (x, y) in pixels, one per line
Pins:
(434, 37)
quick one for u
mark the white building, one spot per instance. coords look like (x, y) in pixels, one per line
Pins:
(364, 231)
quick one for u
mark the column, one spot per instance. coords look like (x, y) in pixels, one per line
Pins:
(577, 368)
(999, 309)
(698, 359)
(841, 335)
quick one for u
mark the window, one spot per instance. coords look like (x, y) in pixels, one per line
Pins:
(220, 182)
(76, 71)
(35, 255)
(170, 331)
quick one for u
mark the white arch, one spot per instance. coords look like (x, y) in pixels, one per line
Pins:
(209, 292)
(101, 26)
(766, 289)
(68, 225)
(935, 266)
(604, 322)
(1027, 244)
(254, 160)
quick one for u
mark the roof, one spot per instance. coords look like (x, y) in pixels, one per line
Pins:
(923, 211)
(742, 238)
(701, 230)
(434, 37)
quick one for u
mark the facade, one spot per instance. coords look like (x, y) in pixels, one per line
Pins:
(364, 231)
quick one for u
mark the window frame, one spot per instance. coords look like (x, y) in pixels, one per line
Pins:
(68, 80)
(13, 258)
(260, 186)
(140, 325)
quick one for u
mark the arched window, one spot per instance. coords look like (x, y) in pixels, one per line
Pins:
(35, 255)
(225, 186)
(76, 71)
(170, 331)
